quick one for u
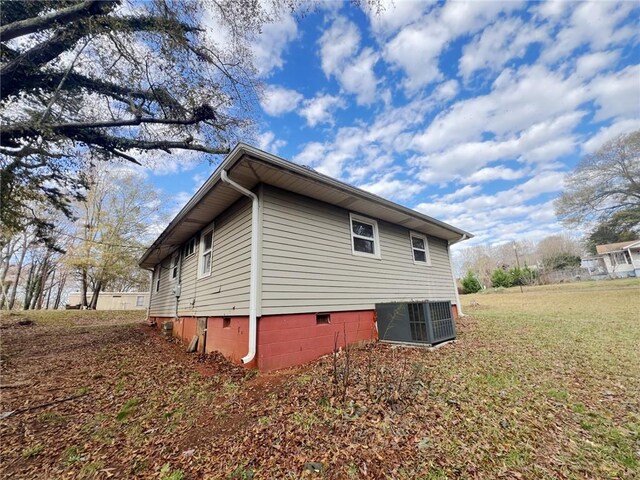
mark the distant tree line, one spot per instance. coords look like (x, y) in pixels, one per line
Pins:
(96, 251)
(497, 265)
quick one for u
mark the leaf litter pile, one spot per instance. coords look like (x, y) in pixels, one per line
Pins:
(521, 394)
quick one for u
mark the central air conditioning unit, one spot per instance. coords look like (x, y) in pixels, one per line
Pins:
(425, 323)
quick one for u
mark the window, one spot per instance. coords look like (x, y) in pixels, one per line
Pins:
(206, 251)
(158, 278)
(226, 322)
(190, 247)
(621, 258)
(419, 249)
(175, 263)
(364, 237)
(323, 318)
(139, 301)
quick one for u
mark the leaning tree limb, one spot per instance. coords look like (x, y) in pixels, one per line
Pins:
(17, 29)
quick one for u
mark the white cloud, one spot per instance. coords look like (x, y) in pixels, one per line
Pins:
(339, 47)
(503, 215)
(337, 44)
(609, 133)
(499, 43)
(616, 94)
(394, 14)
(279, 100)
(269, 46)
(459, 193)
(358, 77)
(417, 47)
(319, 110)
(393, 188)
(416, 50)
(161, 163)
(446, 91)
(518, 100)
(490, 174)
(268, 142)
(311, 154)
(542, 142)
(581, 29)
(554, 9)
(590, 64)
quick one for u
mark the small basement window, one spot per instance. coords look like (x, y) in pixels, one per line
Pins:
(420, 249)
(226, 322)
(364, 236)
(323, 318)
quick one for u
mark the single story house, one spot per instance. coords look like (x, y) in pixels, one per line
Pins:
(114, 300)
(615, 260)
(270, 260)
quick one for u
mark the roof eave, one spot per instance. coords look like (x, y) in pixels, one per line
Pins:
(242, 149)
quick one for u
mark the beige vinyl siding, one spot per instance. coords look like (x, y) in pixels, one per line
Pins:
(307, 262)
(226, 290)
(163, 302)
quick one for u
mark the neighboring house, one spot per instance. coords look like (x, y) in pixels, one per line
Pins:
(620, 259)
(270, 260)
(114, 300)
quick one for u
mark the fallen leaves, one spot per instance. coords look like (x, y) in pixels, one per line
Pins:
(526, 392)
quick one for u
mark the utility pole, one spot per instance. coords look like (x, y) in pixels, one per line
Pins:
(515, 249)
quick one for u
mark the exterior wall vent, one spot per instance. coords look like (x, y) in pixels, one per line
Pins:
(427, 323)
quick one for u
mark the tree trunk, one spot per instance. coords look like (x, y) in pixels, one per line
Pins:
(50, 289)
(63, 281)
(7, 252)
(14, 287)
(44, 274)
(28, 289)
(96, 293)
(83, 288)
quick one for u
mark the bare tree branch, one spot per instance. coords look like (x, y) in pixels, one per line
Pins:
(36, 24)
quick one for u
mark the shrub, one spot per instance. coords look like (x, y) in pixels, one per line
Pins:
(561, 261)
(500, 278)
(522, 276)
(470, 283)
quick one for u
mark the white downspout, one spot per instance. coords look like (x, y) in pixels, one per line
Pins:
(453, 277)
(253, 284)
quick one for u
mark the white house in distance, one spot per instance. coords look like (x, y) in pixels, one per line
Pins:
(115, 300)
(270, 260)
(615, 260)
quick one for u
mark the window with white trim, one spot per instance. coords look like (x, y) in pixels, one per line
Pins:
(175, 265)
(139, 301)
(419, 249)
(364, 236)
(190, 247)
(206, 253)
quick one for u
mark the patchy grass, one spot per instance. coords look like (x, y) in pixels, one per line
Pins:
(67, 318)
(540, 385)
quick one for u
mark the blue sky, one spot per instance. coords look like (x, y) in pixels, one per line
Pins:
(469, 112)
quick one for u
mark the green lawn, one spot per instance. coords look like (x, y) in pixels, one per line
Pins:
(540, 384)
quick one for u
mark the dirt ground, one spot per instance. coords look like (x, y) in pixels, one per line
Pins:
(545, 385)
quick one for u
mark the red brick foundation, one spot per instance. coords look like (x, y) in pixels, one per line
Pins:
(283, 340)
(287, 340)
